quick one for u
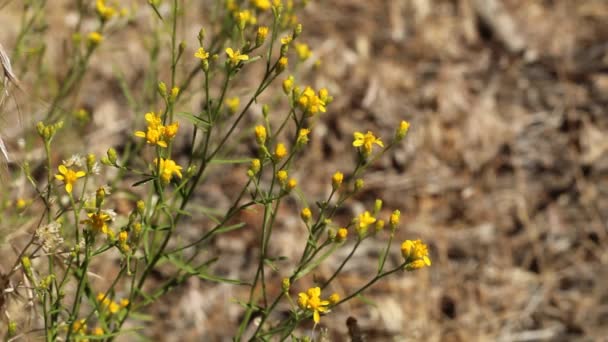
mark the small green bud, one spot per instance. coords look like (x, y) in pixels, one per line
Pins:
(162, 89)
(377, 206)
(359, 184)
(112, 155)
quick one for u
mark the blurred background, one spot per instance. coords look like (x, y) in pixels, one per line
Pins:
(504, 171)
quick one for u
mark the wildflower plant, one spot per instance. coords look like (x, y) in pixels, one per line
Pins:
(79, 228)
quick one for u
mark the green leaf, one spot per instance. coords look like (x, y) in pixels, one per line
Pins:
(230, 228)
(195, 120)
(142, 182)
(230, 161)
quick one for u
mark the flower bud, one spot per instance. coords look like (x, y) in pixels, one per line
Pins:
(306, 215)
(336, 180)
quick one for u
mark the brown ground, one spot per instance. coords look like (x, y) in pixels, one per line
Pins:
(504, 172)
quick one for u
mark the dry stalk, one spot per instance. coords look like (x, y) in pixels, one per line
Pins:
(8, 79)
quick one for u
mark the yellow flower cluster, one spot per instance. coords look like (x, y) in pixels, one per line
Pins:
(311, 301)
(106, 303)
(416, 254)
(157, 133)
(313, 103)
(105, 12)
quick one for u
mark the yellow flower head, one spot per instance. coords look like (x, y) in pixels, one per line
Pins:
(98, 331)
(104, 12)
(404, 126)
(282, 64)
(244, 17)
(363, 221)
(311, 301)
(282, 176)
(342, 234)
(256, 165)
(286, 40)
(334, 298)
(291, 184)
(235, 57)
(415, 253)
(157, 133)
(280, 151)
(97, 221)
(201, 54)
(303, 51)
(303, 136)
(306, 214)
(336, 179)
(366, 141)
(395, 218)
(262, 5)
(288, 84)
(68, 177)
(260, 134)
(260, 38)
(94, 38)
(233, 104)
(80, 326)
(167, 169)
(310, 102)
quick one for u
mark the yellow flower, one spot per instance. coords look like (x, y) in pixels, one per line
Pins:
(364, 220)
(124, 302)
(97, 221)
(20, 203)
(69, 177)
(310, 102)
(303, 51)
(282, 64)
(123, 236)
(261, 35)
(311, 301)
(98, 331)
(306, 214)
(288, 84)
(167, 169)
(286, 40)
(244, 17)
(365, 142)
(157, 133)
(282, 176)
(94, 38)
(80, 326)
(336, 179)
(291, 184)
(262, 5)
(235, 57)
(113, 307)
(395, 218)
(404, 126)
(260, 134)
(104, 12)
(201, 54)
(280, 151)
(303, 136)
(255, 167)
(233, 104)
(342, 234)
(416, 254)
(334, 298)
